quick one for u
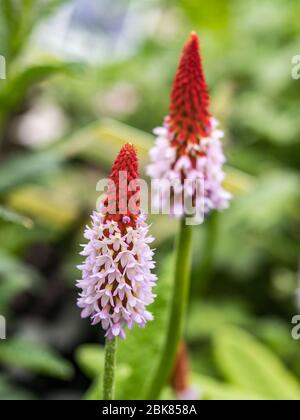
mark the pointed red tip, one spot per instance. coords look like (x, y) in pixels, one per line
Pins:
(192, 47)
(124, 184)
(126, 161)
(193, 39)
(189, 111)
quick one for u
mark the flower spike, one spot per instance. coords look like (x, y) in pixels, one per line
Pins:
(188, 146)
(116, 279)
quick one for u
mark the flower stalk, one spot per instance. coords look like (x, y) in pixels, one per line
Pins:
(109, 369)
(178, 310)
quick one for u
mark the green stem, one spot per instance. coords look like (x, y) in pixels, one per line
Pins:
(109, 369)
(178, 311)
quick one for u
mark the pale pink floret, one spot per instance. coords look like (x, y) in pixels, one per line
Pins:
(209, 170)
(117, 282)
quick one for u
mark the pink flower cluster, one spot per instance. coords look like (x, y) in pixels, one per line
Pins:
(116, 276)
(203, 161)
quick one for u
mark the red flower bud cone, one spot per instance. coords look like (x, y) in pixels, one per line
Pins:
(123, 198)
(189, 111)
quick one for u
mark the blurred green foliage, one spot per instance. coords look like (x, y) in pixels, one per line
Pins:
(245, 271)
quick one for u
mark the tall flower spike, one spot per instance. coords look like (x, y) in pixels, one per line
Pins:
(116, 276)
(188, 146)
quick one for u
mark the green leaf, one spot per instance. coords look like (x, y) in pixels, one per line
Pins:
(277, 194)
(116, 134)
(90, 358)
(15, 89)
(34, 357)
(238, 182)
(46, 205)
(257, 219)
(209, 316)
(9, 215)
(19, 18)
(252, 367)
(27, 167)
(16, 277)
(215, 16)
(94, 392)
(23, 168)
(211, 389)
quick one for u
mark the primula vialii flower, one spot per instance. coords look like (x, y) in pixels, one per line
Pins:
(180, 376)
(116, 276)
(188, 146)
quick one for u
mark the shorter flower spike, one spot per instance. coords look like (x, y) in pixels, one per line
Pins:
(116, 279)
(188, 146)
(180, 375)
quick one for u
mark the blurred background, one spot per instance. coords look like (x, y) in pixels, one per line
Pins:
(84, 77)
